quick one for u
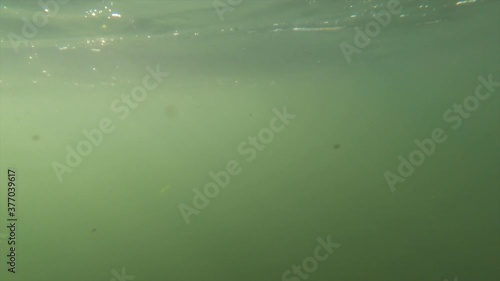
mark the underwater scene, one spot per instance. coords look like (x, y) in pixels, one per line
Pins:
(246, 140)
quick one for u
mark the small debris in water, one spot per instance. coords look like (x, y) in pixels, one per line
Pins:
(93, 230)
(171, 111)
(165, 189)
(35, 137)
(337, 146)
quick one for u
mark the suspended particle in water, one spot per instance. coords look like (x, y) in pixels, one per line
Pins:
(171, 111)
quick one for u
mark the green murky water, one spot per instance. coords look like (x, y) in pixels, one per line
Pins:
(248, 140)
